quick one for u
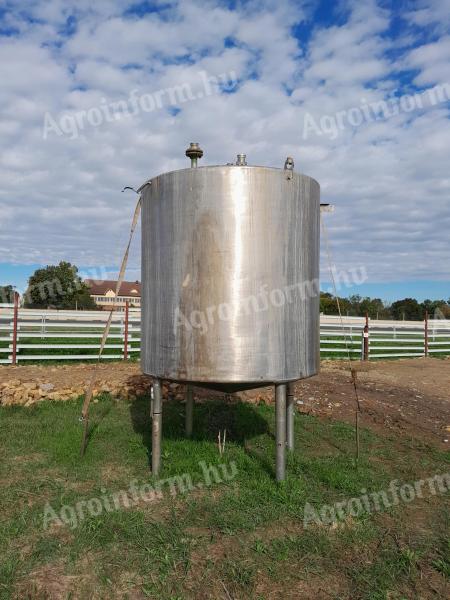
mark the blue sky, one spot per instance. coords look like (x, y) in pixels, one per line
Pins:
(96, 96)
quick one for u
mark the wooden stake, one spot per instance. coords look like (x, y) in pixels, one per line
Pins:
(357, 411)
(15, 327)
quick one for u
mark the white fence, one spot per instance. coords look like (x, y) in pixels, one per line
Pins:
(387, 339)
(66, 335)
(75, 335)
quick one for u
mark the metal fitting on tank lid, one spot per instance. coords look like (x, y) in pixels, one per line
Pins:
(289, 164)
(194, 152)
(241, 160)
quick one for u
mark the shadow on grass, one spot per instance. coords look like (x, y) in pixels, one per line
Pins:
(95, 422)
(241, 421)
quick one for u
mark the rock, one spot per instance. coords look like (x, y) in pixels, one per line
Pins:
(47, 387)
(29, 386)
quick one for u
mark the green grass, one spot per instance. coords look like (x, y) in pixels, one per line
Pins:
(243, 537)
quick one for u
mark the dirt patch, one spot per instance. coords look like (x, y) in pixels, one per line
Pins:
(112, 472)
(410, 397)
(48, 582)
(29, 458)
(313, 587)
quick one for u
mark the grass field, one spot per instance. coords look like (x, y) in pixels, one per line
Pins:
(243, 537)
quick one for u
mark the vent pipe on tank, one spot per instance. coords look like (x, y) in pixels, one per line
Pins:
(194, 152)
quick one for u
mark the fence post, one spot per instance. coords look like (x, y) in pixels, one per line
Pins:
(125, 336)
(15, 319)
(426, 333)
(366, 339)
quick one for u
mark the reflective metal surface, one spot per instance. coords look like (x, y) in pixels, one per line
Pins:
(230, 269)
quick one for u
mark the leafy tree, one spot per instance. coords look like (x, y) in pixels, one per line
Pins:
(443, 311)
(354, 306)
(59, 286)
(437, 308)
(349, 306)
(6, 294)
(408, 309)
(328, 304)
(375, 308)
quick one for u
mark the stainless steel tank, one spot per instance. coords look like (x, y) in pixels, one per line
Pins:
(230, 276)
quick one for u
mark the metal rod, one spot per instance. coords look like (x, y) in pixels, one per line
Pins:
(189, 410)
(280, 430)
(156, 426)
(15, 319)
(290, 417)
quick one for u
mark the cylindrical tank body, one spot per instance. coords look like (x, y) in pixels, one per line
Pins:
(230, 276)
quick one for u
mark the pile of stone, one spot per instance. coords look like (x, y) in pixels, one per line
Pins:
(29, 384)
(28, 393)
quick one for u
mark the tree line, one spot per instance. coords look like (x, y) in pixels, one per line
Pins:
(408, 309)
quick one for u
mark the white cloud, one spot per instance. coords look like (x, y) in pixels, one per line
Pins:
(435, 13)
(432, 61)
(60, 198)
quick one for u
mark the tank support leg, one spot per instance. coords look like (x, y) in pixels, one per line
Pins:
(290, 417)
(280, 430)
(156, 426)
(189, 409)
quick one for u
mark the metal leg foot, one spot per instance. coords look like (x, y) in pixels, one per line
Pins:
(290, 413)
(280, 430)
(156, 426)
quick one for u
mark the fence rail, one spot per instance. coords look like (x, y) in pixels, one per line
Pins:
(33, 335)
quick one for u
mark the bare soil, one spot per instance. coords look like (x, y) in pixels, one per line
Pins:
(407, 396)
